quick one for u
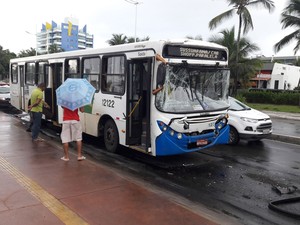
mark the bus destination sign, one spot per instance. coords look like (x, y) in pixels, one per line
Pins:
(194, 53)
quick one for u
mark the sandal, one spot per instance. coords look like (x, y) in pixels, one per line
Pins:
(81, 158)
(64, 159)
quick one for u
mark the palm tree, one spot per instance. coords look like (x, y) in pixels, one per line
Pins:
(246, 66)
(290, 17)
(132, 39)
(54, 48)
(27, 52)
(117, 39)
(240, 7)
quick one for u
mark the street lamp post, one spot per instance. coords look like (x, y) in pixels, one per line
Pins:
(36, 44)
(135, 22)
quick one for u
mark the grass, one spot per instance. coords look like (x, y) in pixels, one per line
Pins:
(276, 108)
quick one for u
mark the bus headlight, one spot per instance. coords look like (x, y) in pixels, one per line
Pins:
(220, 125)
(164, 128)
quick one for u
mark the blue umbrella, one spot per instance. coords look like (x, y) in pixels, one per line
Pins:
(74, 93)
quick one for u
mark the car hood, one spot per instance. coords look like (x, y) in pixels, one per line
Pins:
(251, 113)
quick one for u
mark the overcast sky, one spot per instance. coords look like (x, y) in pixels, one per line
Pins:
(158, 19)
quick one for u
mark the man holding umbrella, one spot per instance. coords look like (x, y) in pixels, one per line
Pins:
(72, 95)
(71, 131)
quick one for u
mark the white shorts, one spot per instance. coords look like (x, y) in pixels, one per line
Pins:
(71, 131)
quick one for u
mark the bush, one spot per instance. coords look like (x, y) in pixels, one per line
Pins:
(272, 97)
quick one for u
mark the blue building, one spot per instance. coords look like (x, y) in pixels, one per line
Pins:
(67, 36)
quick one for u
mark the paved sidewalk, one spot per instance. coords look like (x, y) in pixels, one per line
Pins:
(283, 115)
(292, 135)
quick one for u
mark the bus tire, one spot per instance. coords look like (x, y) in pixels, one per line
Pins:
(111, 136)
(233, 136)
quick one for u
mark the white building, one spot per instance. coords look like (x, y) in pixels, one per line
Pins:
(284, 77)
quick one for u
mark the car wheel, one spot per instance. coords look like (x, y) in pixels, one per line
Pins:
(111, 136)
(233, 136)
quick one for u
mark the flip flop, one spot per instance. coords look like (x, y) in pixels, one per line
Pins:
(81, 158)
(64, 159)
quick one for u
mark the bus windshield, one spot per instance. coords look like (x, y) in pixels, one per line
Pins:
(190, 88)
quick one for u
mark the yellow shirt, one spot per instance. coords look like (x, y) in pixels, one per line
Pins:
(37, 94)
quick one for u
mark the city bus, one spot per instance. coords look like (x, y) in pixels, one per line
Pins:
(161, 98)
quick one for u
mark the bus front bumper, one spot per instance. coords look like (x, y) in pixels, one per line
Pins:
(171, 145)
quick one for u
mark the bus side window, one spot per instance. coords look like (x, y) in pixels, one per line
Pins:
(14, 73)
(30, 73)
(72, 69)
(91, 71)
(113, 75)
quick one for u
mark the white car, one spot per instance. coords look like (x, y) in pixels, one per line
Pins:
(4, 95)
(247, 123)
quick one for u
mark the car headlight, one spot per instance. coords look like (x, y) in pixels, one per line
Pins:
(249, 120)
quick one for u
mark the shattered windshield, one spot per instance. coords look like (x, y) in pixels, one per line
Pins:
(189, 88)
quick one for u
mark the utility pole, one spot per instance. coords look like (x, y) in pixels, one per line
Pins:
(135, 22)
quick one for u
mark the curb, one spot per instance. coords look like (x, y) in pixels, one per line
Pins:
(284, 138)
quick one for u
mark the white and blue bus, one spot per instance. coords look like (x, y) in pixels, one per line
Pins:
(158, 97)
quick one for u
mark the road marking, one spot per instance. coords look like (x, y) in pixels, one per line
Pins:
(66, 215)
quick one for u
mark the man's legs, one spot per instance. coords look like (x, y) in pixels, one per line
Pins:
(79, 149)
(36, 124)
(66, 150)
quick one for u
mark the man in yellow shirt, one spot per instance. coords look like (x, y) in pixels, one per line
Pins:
(36, 109)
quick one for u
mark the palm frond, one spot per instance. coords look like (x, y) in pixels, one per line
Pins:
(292, 8)
(247, 21)
(220, 18)
(290, 21)
(284, 41)
(267, 4)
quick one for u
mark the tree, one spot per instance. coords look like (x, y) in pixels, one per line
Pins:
(5, 56)
(119, 39)
(26, 53)
(132, 39)
(240, 7)
(290, 17)
(54, 49)
(246, 67)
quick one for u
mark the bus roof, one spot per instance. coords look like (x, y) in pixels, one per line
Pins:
(157, 45)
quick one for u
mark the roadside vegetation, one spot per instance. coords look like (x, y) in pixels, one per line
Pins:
(271, 100)
(275, 108)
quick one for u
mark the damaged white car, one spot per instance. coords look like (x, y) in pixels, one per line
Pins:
(247, 123)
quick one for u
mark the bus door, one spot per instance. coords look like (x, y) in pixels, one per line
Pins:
(138, 103)
(56, 78)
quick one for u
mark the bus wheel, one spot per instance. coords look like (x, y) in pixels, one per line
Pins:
(111, 136)
(233, 136)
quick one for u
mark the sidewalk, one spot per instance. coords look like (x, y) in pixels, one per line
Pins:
(283, 115)
(39, 188)
(283, 136)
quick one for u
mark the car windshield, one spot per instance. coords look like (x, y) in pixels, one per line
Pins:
(4, 90)
(236, 105)
(190, 89)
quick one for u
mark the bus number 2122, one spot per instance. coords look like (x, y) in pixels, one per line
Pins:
(108, 103)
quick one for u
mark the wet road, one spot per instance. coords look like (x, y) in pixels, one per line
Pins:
(239, 181)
